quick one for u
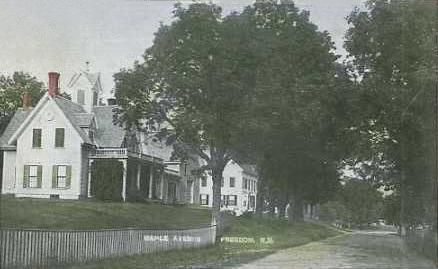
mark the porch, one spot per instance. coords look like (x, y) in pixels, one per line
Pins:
(125, 175)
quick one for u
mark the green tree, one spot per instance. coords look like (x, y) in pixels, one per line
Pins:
(357, 202)
(362, 200)
(195, 82)
(393, 51)
(335, 211)
(12, 89)
(298, 107)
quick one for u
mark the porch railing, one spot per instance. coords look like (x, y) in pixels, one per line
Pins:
(109, 153)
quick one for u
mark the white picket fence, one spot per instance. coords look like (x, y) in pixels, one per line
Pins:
(42, 248)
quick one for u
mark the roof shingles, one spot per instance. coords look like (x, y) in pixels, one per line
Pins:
(108, 134)
(18, 118)
(70, 110)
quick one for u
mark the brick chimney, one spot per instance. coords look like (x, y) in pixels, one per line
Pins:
(27, 100)
(53, 83)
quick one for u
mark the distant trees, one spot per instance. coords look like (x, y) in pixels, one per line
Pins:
(358, 203)
(12, 89)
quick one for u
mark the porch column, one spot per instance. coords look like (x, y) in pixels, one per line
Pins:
(151, 178)
(125, 171)
(162, 186)
(90, 164)
(138, 175)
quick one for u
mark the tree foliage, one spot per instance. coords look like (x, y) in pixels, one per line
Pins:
(12, 89)
(392, 50)
(298, 110)
(195, 82)
(261, 84)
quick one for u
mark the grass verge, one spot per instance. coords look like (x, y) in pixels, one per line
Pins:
(223, 254)
(87, 215)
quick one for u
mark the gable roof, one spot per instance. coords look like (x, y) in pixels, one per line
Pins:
(15, 122)
(75, 113)
(108, 134)
(68, 108)
(92, 78)
(249, 169)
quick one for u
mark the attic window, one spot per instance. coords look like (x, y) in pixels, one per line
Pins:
(59, 137)
(36, 138)
(232, 182)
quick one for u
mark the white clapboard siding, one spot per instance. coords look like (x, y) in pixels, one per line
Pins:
(30, 248)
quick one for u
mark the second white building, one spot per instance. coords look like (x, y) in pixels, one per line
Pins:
(238, 188)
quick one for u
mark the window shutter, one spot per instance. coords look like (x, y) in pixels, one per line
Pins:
(55, 176)
(68, 178)
(40, 176)
(26, 176)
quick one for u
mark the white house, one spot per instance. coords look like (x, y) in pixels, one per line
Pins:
(238, 190)
(55, 149)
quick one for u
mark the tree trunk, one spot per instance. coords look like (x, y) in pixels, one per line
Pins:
(271, 208)
(296, 210)
(217, 178)
(260, 199)
(282, 210)
(403, 224)
(312, 211)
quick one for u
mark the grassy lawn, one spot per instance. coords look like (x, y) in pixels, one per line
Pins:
(85, 215)
(225, 254)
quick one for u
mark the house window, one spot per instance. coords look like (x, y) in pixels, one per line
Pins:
(36, 138)
(59, 137)
(81, 97)
(245, 183)
(232, 200)
(252, 201)
(203, 182)
(32, 176)
(232, 182)
(61, 177)
(204, 199)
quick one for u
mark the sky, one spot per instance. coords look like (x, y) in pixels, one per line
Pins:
(38, 36)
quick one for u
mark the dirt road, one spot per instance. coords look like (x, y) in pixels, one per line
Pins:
(370, 250)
